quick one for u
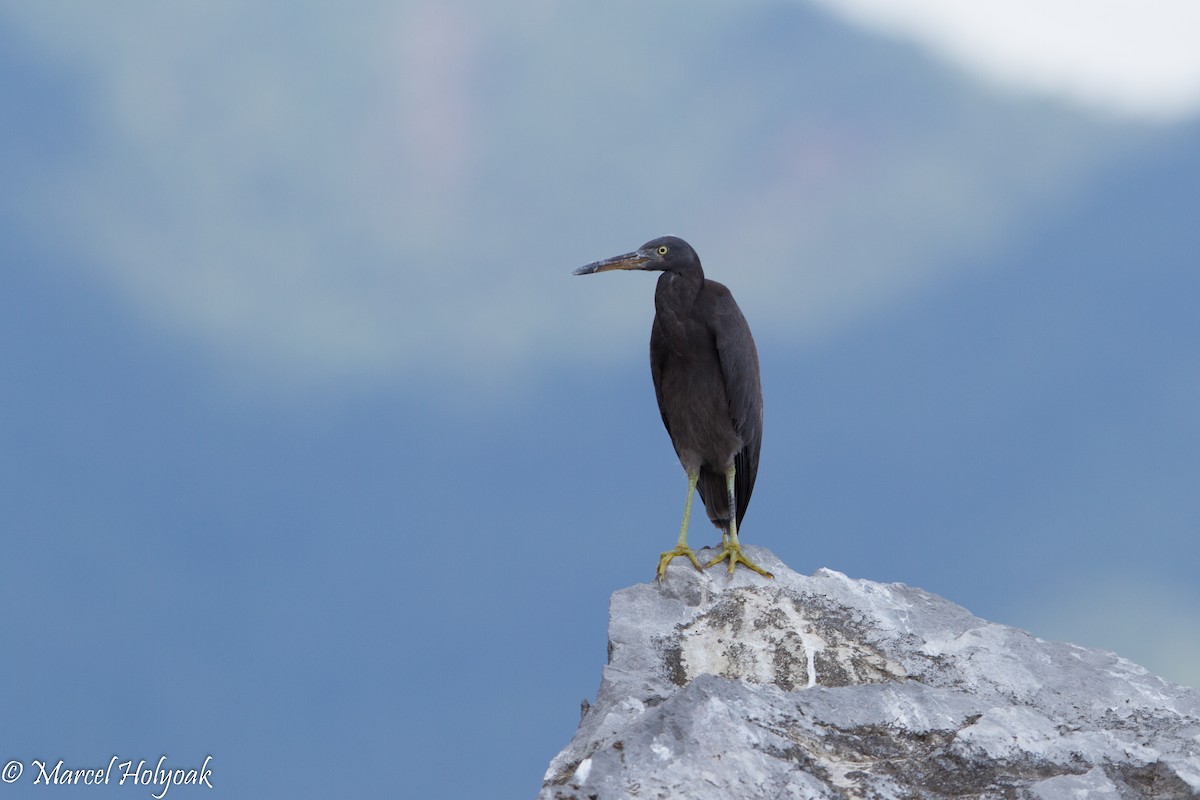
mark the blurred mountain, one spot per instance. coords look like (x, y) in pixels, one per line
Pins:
(377, 194)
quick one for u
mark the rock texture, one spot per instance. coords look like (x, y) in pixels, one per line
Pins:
(827, 687)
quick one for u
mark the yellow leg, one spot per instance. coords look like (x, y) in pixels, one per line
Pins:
(681, 547)
(730, 547)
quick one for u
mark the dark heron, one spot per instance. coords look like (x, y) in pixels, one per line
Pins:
(705, 370)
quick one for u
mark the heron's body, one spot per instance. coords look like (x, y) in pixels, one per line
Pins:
(705, 370)
(706, 378)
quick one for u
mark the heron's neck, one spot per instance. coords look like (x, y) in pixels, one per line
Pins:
(677, 291)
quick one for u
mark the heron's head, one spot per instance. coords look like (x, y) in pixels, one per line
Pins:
(664, 254)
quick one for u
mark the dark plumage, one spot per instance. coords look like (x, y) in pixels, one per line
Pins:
(705, 369)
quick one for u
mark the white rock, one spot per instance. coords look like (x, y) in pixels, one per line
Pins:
(825, 687)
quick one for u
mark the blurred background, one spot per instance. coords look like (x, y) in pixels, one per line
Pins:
(315, 458)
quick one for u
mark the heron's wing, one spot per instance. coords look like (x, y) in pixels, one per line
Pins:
(739, 367)
(658, 355)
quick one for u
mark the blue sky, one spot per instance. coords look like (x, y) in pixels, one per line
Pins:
(317, 459)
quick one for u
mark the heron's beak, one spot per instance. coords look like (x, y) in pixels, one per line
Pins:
(634, 260)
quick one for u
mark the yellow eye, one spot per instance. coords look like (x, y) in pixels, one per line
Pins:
(662, 249)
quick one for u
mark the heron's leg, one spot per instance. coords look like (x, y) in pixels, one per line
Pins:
(681, 547)
(730, 547)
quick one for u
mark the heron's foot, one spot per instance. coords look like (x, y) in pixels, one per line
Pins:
(733, 551)
(680, 550)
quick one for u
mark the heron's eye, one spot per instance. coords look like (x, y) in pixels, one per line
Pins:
(662, 249)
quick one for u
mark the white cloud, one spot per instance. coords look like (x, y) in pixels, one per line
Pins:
(1126, 56)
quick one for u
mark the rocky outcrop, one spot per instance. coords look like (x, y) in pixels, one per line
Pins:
(826, 687)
